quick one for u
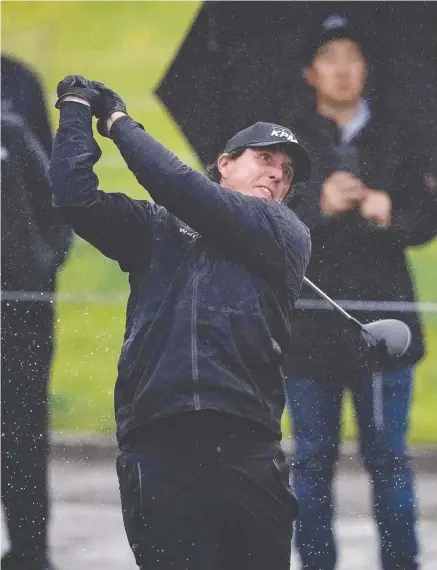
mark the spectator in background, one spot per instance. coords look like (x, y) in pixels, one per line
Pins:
(34, 245)
(365, 204)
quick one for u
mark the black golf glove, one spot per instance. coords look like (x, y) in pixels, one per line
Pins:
(78, 86)
(108, 102)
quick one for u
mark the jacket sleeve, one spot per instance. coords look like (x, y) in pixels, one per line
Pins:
(265, 235)
(117, 225)
(412, 211)
(411, 224)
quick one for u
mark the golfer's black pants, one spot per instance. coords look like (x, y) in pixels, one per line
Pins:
(26, 357)
(205, 492)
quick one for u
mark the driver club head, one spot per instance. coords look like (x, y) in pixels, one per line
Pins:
(394, 335)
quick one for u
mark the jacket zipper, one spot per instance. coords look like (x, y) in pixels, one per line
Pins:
(194, 360)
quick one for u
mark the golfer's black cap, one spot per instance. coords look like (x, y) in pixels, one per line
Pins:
(268, 134)
(334, 27)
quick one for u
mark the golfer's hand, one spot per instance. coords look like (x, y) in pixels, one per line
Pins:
(376, 207)
(109, 107)
(341, 192)
(77, 86)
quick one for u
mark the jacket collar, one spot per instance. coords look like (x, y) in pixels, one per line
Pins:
(319, 127)
(356, 125)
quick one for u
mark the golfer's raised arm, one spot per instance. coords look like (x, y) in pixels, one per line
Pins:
(114, 223)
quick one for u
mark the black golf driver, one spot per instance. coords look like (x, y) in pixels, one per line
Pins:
(391, 337)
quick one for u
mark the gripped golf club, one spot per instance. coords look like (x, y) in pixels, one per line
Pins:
(393, 335)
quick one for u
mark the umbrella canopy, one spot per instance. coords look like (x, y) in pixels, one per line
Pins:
(241, 62)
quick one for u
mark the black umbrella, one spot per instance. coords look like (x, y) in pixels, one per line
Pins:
(241, 63)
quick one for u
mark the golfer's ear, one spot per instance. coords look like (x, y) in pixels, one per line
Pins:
(222, 163)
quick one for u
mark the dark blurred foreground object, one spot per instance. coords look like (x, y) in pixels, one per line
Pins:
(34, 244)
(22, 95)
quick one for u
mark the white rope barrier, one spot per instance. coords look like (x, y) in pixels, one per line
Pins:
(121, 299)
(391, 306)
(45, 297)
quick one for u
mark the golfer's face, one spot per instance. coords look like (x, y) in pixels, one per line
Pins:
(263, 173)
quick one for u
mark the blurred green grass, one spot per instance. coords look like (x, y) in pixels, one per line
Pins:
(129, 45)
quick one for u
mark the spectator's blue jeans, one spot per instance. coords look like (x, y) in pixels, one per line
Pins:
(382, 416)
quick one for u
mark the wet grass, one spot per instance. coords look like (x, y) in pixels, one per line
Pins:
(132, 58)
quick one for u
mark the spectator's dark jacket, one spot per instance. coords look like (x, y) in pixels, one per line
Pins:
(22, 95)
(34, 238)
(351, 258)
(211, 299)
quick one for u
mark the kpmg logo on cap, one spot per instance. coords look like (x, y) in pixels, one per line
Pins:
(335, 21)
(282, 133)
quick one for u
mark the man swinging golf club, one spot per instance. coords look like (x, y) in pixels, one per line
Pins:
(214, 271)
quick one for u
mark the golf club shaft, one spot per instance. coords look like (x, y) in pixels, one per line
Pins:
(331, 302)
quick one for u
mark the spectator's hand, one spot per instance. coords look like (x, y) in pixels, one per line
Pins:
(77, 86)
(376, 207)
(109, 102)
(341, 191)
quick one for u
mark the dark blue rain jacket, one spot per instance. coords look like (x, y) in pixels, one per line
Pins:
(214, 276)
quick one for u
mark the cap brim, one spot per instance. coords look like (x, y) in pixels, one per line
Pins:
(302, 161)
